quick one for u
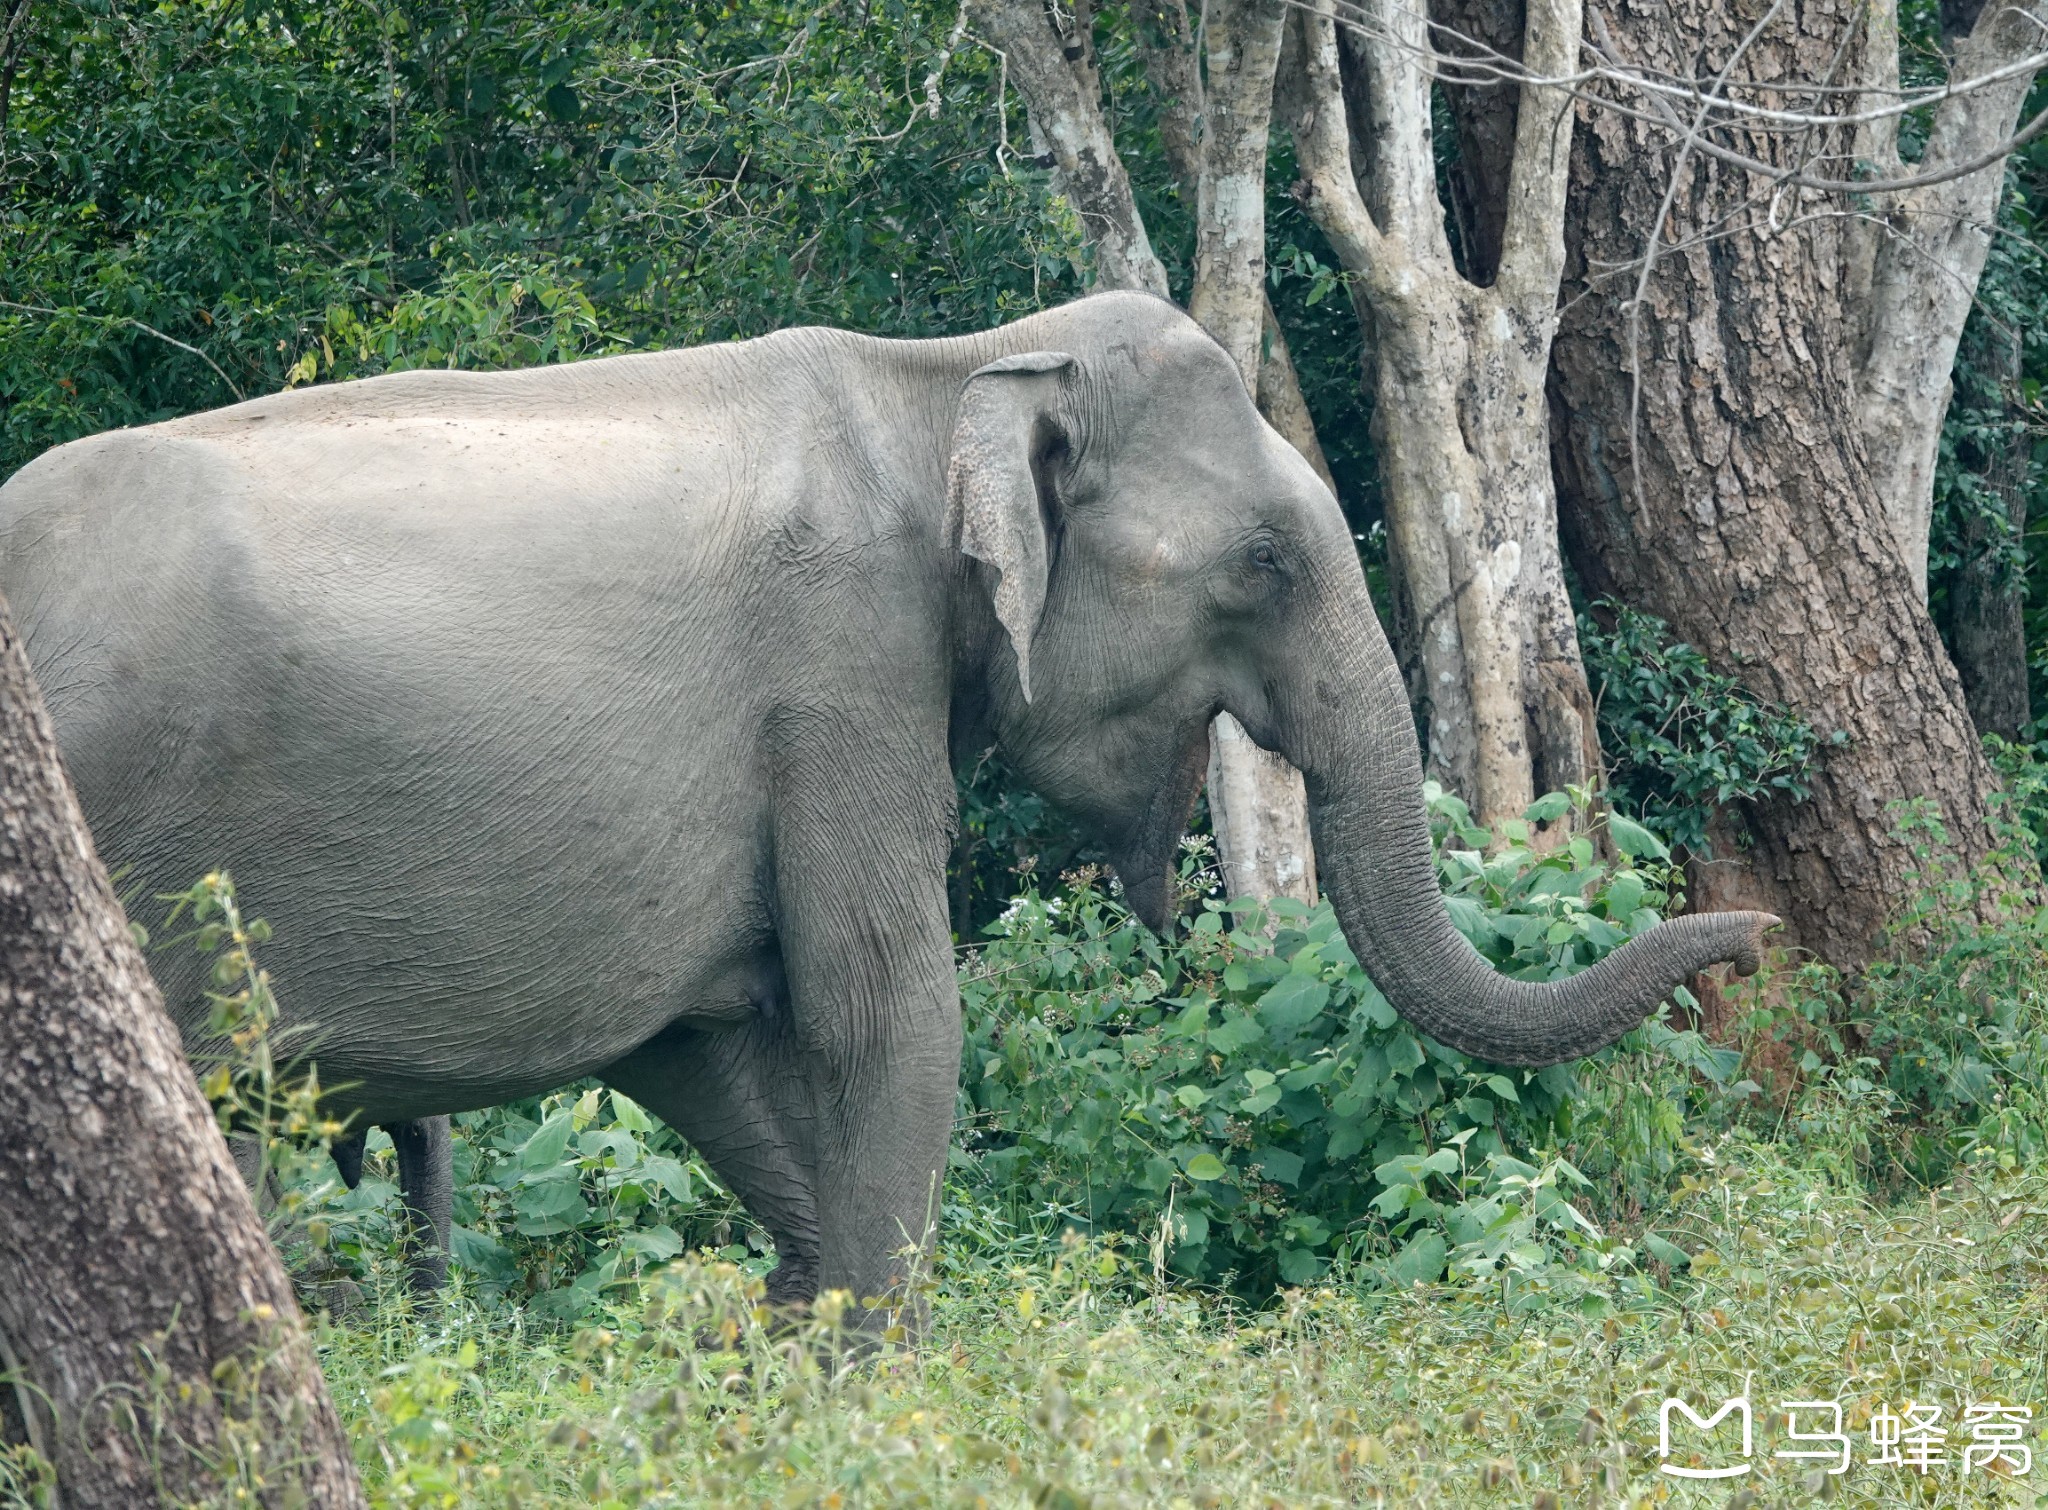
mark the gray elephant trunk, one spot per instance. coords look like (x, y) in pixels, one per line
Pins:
(1356, 747)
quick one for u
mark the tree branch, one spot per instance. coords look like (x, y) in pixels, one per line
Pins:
(1532, 244)
(1069, 117)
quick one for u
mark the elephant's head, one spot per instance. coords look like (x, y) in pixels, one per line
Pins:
(1155, 553)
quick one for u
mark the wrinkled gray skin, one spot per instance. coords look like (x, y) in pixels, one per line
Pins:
(599, 720)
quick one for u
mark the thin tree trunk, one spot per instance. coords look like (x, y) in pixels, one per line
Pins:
(1460, 419)
(157, 1352)
(1926, 258)
(1051, 61)
(1987, 595)
(1257, 803)
(1243, 39)
(1732, 495)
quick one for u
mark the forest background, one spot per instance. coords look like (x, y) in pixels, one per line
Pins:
(209, 201)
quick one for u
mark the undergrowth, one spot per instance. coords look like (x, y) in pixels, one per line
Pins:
(1060, 1372)
(1221, 1229)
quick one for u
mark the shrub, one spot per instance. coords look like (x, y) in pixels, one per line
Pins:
(1937, 1055)
(1246, 1099)
(1684, 738)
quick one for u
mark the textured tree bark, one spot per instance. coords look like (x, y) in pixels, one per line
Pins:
(1243, 39)
(1483, 124)
(1927, 255)
(1257, 804)
(159, 1356)
(1461, 416)
(1757, 530)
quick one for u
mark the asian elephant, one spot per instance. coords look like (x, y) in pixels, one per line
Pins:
(600, 719)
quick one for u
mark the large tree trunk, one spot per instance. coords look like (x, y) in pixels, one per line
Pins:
(1733, 495)
(1460, 414)
(157, 1352)
(1256, 802)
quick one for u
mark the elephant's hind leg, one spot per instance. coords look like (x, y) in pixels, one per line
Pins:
(426, 1182)
(740, 1096)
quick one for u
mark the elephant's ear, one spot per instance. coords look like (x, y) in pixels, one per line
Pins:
(992, 485)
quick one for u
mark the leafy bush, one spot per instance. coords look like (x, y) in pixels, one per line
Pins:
(559, 1200)
(1246, 1098)
(1684, 738)
(1937, 1055)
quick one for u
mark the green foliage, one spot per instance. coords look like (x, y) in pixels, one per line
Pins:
(1684, 738)
(1935, 1060)
(1957, 1011)
(210, 198)
(560, 1199)
(2023, 772)
(1059, 1374)
(1007, 832)
(1244, 1094)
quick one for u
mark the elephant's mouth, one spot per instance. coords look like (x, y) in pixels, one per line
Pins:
(1145, 857)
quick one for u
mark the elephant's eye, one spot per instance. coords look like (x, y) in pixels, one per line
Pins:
(1264, 555)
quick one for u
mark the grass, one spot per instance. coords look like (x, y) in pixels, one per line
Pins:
(1059, 1374)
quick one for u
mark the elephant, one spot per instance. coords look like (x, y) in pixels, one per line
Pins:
(601, 719)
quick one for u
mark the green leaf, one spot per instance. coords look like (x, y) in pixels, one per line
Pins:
(630, 1115)
(1404, 1053)
(1279, 1165)
(1235, 1033)
(1191, 1096)
(670, 1176)
(1205, 1166)
(1293, 1004)
(1347, 1138)
(1504, 1088)
(656, 1243)
(1666, 1253)
(1298, 1265)
(1635, 841)
(549, 1142)
(1624, 892)
(1420, 1262)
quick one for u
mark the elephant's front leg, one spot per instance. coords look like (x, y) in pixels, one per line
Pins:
(861, 915)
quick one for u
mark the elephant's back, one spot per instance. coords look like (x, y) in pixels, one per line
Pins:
(459, 691)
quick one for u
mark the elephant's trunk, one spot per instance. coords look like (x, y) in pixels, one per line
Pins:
(1354, 738)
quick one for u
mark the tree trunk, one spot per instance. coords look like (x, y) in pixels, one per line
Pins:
(1926, 256)
(157, 1354)
(1987, 595)
(1732, 496)
(1460, 418)
(1257, 804)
